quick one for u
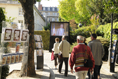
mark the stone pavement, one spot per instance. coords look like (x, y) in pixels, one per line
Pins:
(105, 74)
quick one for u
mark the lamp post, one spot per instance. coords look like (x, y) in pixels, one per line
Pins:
(110, 53)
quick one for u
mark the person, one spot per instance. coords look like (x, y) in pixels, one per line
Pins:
(77, 58)
(60, 31)
(56, 51)
(85, 41)
(53, 31)
(98, 52)
(64, 47)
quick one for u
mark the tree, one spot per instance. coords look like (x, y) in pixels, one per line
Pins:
(27, 6)
(2, 18)
(68, 11)
(82, 10)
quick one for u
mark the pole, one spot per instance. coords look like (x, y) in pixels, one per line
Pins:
(111, 64)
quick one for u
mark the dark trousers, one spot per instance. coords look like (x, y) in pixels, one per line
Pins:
(96, 72)
(55, 59)
(66, 65)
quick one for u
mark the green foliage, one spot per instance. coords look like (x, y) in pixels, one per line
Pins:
(5, 71)
(47, 27)
(106, 29)
(2, 18)
(45, 37)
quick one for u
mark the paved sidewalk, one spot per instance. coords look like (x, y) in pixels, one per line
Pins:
(105, 74)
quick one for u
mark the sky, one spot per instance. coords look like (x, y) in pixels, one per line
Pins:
(49, 3)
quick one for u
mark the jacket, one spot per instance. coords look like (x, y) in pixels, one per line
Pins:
(55, 48)
(97, 51)
(64, 47)
(76, 57)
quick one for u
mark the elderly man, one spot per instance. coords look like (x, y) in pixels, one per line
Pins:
(79, 53)
(64, 47)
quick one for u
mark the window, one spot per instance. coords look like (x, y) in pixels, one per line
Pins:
(20, 11)
(55, 14)
(53, 9)
(21, 22)
(43, 13)
(48, 13)
(53, 19)
(57, 19)
(44, 8)
(48, 8)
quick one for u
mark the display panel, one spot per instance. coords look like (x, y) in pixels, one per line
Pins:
(59, 29)
(16, 35)
(8, 33)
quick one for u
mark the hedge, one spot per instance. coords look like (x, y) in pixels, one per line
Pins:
(45, 37)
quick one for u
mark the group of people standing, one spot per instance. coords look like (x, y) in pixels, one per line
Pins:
(94, 51)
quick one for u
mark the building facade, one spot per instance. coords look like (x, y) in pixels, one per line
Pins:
(14, 10)
(50, 13)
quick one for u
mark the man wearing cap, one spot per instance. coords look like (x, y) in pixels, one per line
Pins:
(78, 54)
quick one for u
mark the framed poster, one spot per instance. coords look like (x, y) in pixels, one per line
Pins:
(16, 58)
(8, 34)
(38, 38)
(39, 45)
(39, 52)
(16, 35)
(24, 35)
(4, 58)
(8, 59)
(13, 59)
(20, 57)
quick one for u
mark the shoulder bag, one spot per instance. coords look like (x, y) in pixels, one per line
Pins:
(87, 62)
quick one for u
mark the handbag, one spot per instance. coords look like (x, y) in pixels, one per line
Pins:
(52, 56)
(87, 62)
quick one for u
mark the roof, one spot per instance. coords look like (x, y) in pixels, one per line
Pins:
(49, 9)
(39, 12)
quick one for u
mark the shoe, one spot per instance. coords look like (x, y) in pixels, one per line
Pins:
(65, 75)
(59, 72)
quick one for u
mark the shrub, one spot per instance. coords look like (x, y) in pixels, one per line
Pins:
(45, 37)
(2, 18)
(106, 30)
(5, 71)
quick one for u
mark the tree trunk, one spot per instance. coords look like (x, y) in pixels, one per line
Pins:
(27, 6)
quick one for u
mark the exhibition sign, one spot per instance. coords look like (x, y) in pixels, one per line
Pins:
(39, 51)
(14, 35)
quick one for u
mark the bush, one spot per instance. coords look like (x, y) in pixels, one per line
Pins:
(45, 37)
(106, 30)
(5, 71)
(104, 41)
(84, 31)
(2, 18)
